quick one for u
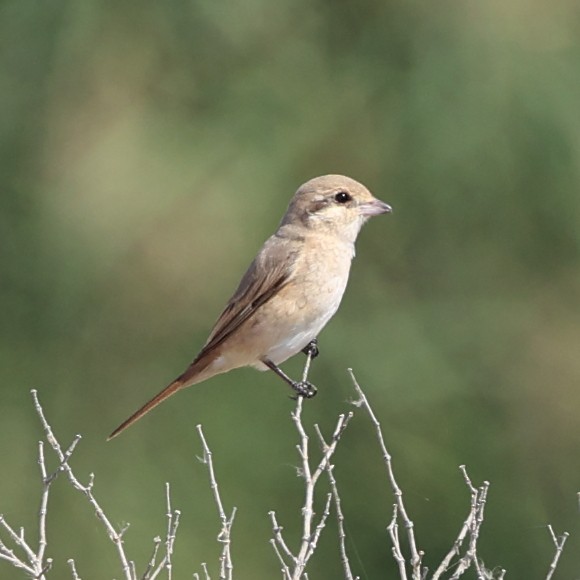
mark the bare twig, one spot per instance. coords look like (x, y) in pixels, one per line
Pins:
(559, 543)
(456, 548)
(393, 529)
(151, 564)
(19, 552)
(320, 525)
(31, 567)
(279, 539)
(172, 519)
(73, 569)
(35, 564)
(293, 566)
(224, 537)
(86, 490)
(310, 479)
(46, 483)
(285, 570)
(340, 520)
(152, 572)
(474, 521)
(416, 555)
(205, 572)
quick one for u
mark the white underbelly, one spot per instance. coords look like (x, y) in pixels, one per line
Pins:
(301, 312)
(297, 337)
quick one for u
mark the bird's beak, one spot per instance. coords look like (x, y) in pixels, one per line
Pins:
(374, 207)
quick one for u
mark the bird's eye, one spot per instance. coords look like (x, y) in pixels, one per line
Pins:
(342, 197)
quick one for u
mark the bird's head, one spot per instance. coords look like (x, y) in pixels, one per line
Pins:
(333, 204)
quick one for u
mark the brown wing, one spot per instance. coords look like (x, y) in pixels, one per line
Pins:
(269, 272)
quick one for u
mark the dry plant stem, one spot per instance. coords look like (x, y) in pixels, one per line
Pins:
(33, 567)
(293, 566)
(36, 565)
(311, 478)
(151, 564)
(416, 555)
(478, 499)
(170, 539)
(173, 516)
(87, 490)
(321, 523)
(340, 520)
(205, 572)
(46, 483)
(285, 570)
(306, 369)
(467, 528)
(73, 569)
(559, 543)
(279, 539)
(196, 576)
(393, 529)
(455, 550)
(226, 565)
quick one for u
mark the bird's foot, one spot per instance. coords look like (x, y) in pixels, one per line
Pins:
(304, 389)
(311, 349)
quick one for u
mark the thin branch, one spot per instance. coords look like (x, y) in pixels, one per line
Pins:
(310, 479)
(456, 548)
(43, 510)
(340, 521)
(171, 532)
(9, 555)
(478, 500)
(86, 490)
(285, 570)
(393, 529)
(151, 564)
(320, 526)
(293, 566)
(19, 540)
(279, 539)
(205, 572)
(73, 569)
(170, 537)
(224, 537)
(559, 543)
(416, 555)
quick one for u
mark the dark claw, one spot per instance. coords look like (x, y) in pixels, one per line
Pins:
(311, 349)
(304, 389)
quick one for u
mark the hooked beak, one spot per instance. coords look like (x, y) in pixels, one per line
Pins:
(374, 207)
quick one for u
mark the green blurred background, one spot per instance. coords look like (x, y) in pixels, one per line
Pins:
(148, 149)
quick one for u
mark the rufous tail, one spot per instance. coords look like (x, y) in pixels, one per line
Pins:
(156, 400)
(192, 375)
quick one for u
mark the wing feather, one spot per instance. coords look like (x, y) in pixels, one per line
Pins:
(269, 272)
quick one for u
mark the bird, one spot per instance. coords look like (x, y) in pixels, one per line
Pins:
(289, 292)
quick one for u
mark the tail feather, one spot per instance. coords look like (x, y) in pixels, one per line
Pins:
(156, 400)
(194, 374)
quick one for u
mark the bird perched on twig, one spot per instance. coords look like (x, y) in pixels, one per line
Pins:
(290, 291)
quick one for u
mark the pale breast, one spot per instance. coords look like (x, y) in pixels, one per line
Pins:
(303, 308)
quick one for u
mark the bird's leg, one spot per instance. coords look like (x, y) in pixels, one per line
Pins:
(303, 388)
(311, 349)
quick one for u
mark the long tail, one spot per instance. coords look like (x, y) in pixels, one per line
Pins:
(194, 374)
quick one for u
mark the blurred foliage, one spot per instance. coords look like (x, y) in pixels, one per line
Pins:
(146, 151)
